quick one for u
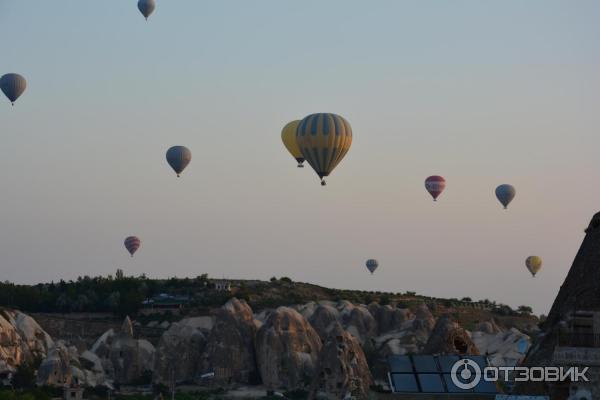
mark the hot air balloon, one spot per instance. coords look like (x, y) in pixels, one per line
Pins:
(288, 136)
(178, 158)
(505, 193)
(132, 244)
(324, 139)
(146, 7)
(533, 264)
(372, 265)
(435, 185)
(13, 86)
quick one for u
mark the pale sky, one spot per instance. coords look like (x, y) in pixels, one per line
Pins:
(482, 93)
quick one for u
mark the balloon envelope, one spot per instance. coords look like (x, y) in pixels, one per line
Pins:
(505, 194)
(324, 140)
(13, 86)
(132, 244)
(288, 136)
(372, 265)
(146, 7)
(533, 264)
(435, 185)
(178, 158)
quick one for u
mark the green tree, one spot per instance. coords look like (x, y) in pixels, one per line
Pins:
(114, 301)
(24, 377)
(525, 310)
(130, 303)
(384, 300)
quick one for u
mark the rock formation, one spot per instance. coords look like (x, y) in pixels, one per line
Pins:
(448, 337)
(287, 348)
(389, 318)
(489, 327)
(323, 320)
(127, 327)
(93, 370)
(55, 369)
(504, 349)
(398, 343)
(424, 320)
(360, 323)
(342, 369)
(562, 341)
(22, 340)
(179, 350)
(229, 351)
(307, 309)
(64, 366)
(124, 359)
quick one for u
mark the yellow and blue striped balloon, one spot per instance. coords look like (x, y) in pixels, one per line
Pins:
(324, 139)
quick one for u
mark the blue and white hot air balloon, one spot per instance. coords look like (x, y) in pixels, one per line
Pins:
(372, 265)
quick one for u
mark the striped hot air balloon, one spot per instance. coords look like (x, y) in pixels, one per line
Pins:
(13, 86)
(132, 244)
(435, 185)
(178, 158)
(505, 194)
(324, 139)
(288, 136)
(372, 265)
(146, 7)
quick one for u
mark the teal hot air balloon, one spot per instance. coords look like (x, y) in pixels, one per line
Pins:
(178, 158)
(372, 265)
(146, 7)
(505, 194)
(13, 86)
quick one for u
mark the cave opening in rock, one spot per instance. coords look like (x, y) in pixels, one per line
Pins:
(460, 345)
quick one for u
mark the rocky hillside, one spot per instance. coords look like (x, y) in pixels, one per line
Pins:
(325, 348)
(127, 295)
(22, 340)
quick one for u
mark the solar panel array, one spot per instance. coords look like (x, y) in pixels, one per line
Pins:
(431, 374)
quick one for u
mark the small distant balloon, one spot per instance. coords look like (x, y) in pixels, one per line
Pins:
(533, 264)
(132, 244)
(178, 158)
(435, 185)
(372, 265)
(505, 194)
(146, 7)
(324, 139)
(13, 86)
(288, 136)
